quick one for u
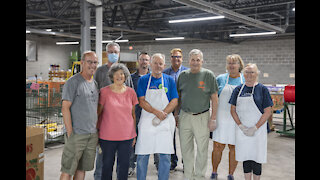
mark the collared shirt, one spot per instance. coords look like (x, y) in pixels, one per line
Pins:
(173, 74)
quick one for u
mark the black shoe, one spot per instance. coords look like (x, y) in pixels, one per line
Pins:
(172, 168)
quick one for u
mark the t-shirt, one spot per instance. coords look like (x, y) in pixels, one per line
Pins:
(261, 96)
(156, 83)
(195, 90)
(222, 80)
(117, 123)
(84, 96)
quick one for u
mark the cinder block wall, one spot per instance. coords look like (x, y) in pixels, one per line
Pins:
(275, 57)
(48, 53)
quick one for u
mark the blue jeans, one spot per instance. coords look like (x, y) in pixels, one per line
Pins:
(98, 171)
(164, 166)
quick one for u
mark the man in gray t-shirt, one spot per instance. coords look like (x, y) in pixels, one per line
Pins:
(79, 108)
(84, 98)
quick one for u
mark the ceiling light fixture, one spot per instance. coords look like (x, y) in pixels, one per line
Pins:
(165, 39)
(252, 34)
(117, 41)
(196, 19)
(67, 43)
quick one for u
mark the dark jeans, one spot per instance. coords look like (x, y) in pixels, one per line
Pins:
(109, 149)
(174, 157)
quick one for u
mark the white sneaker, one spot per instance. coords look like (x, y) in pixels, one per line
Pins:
(131, 171)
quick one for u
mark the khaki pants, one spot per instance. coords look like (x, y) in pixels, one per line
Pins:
(194, 127)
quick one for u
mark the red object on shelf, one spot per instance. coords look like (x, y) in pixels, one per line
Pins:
(289, 93)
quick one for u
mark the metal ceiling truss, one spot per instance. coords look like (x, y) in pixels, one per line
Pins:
(143, 20)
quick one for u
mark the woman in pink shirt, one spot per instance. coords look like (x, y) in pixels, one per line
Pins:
(116, 124)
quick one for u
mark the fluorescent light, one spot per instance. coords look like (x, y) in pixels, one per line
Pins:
(196, 19)
(172, 38)
(93, 27)
(118, 41)
(294, 9)
(28, 32)
(48, 30)
(252, 34)
(66, 43)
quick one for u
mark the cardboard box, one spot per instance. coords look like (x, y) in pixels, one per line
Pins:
(34, 153)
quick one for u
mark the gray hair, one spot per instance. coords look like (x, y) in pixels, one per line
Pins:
(113, 44)
(87, 52)
(196, 52)
(159, 55)
(118, 66)
(255, 67)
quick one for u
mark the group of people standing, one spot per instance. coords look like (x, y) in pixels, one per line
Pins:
(109, 113)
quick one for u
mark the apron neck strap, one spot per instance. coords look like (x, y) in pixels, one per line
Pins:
(150, 81)
(227, 79)
(253, 89)
(242, 89)
(240, 78)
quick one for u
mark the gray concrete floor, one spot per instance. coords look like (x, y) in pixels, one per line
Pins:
(280, 160)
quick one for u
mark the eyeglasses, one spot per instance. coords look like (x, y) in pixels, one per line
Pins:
(250, 72)
(90, 62)
(176, 56)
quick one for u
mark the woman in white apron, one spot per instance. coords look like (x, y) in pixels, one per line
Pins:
(251, 132)
(225, 131)
(155, 138)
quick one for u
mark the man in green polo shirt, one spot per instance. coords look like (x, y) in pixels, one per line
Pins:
(196, 86)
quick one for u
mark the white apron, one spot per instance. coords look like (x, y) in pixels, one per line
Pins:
(155, 139)
(225, 131)
(250, 147)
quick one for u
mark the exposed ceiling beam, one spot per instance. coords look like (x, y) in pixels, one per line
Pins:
(52, 18)
(214, 9)
(40, 31)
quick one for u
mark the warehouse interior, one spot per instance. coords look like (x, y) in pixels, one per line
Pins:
(57, 31)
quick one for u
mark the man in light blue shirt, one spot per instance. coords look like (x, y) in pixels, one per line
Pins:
(176, 64)
(174, 70)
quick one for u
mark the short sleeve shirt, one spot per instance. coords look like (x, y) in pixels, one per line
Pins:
(117, 123)
(84, 97)
(222, 80)
(156, 83)
(196, 89)
(261, 96)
